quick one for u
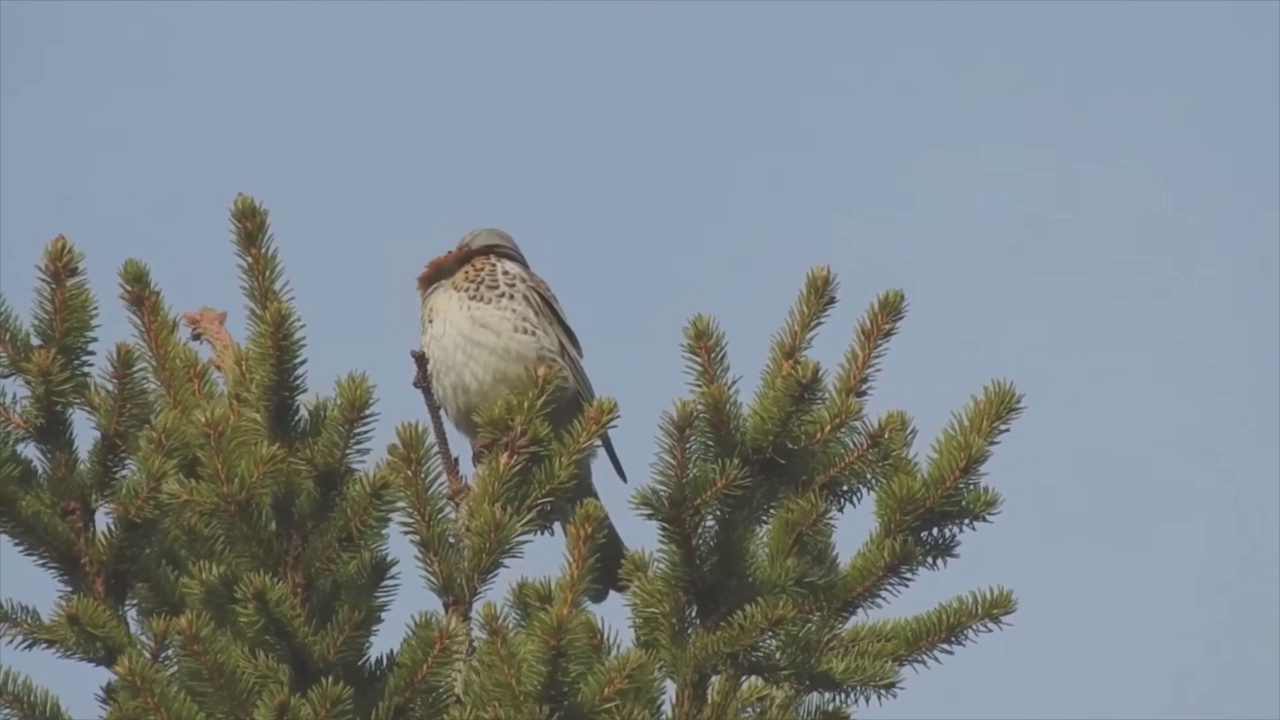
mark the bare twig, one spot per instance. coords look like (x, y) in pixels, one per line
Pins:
(422, 381)
(459, 607)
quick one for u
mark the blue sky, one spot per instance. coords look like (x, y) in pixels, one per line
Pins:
(1081, 197)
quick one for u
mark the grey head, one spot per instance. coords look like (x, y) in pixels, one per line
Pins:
(493, 241)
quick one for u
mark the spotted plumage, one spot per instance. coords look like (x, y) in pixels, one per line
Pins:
(487, 319)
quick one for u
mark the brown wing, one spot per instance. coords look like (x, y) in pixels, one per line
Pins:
(550, 308)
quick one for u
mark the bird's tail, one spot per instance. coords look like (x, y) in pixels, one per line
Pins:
(610, 551)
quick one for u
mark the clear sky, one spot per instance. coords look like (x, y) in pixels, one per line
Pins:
(1082, 197)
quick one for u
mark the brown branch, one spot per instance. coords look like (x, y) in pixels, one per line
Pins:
(210, 326)
(81, 525)
(458, 607)
(422, 381)
(11, 418)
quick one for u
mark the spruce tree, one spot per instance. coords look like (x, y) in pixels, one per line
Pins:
(221, 542)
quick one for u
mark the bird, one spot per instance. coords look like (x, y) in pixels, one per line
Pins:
(487, 319)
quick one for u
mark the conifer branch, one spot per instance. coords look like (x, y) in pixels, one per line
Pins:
(175, 368)
(459, 603)
(274, 342)
(21, 699)
(246, 569)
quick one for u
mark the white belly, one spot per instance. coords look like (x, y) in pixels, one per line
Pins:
(479, 352)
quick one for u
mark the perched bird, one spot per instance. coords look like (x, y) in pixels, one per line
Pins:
(487, 320)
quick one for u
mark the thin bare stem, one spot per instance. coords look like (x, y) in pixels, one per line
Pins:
(422, 381)
(457, 492)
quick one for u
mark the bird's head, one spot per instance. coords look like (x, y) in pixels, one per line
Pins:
(494, 242)
(485, 241)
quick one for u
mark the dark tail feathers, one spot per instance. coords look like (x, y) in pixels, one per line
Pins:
(608, 563)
